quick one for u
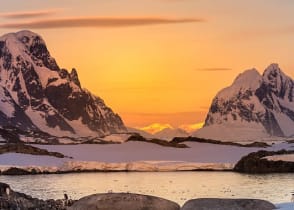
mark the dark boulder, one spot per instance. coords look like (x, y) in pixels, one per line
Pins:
(227, 204)
(123, 201)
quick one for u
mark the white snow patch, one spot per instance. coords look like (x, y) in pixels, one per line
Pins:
(58, 82)
(144, 166)
(38, 118)
(17, 159)
(249, 79)
(141, 132)
(233, 131)
(286, 124)
(80, 129)
(285, 157)
(170, 133)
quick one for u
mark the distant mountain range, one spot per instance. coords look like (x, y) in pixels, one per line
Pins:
(170, 133)
(160, 131)
(37, 95)
(255, 106)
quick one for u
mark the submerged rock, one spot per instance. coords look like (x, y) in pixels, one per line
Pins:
(227, 204)
(123, 201)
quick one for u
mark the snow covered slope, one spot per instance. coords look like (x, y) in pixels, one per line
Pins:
(141, 132)
(170, 133)
(254, 107)
(133, 156)
(35, 94)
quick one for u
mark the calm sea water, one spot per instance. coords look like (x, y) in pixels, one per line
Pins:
(176, 186)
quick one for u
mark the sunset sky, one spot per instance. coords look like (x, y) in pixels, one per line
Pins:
(159, 61)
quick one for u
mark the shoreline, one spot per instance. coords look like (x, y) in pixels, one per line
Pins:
(111, 171)
(102, 167)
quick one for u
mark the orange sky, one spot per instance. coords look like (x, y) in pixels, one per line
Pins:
(164, 72)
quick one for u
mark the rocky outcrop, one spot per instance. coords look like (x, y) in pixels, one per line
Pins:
(27, 149)
(178, 140)
(227, 204)
(11, 200)
(138, 137)
(257, 163)
(123, 201)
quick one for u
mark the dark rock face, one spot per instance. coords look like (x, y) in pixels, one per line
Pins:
(227, 204)
(266, 99)
(120, 201)
(256, 163)
(41, 95)
(19, 118)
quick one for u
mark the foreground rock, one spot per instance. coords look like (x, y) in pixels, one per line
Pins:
(123, 201)
(257, 163)
(10, 200)
(227, 204)
(15, 201)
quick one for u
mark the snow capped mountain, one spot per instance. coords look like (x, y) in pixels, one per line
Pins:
(37, 95)
(170, 133)
(255, 106)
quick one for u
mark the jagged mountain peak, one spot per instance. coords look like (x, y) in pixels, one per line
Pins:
(248, 80)
(51, 98)
(247, 77)
(26, 45)
(277, 81)
(26, 37)
(263, 105)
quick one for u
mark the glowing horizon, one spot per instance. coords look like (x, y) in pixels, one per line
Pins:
(159, 61)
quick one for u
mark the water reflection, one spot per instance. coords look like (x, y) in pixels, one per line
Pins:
(176, 186)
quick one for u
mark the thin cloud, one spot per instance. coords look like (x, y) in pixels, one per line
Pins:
(97, 22)
(214, 69)
(29, 14)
